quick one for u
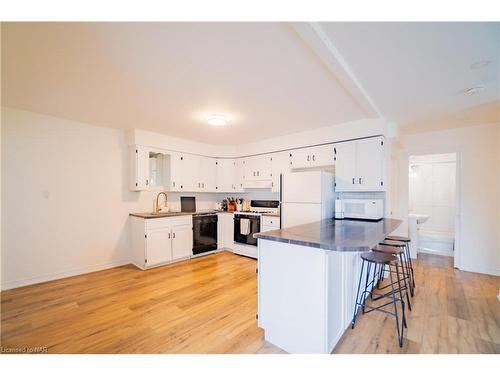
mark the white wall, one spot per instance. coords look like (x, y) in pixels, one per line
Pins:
(477, 151)
(432, 188)
(65, 198)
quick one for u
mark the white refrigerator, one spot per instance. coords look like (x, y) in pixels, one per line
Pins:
(306, 197)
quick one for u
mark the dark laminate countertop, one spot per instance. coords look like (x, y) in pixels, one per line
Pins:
(149, 215)
(338, 235)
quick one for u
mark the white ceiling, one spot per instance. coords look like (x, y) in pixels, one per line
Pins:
(166, 77)
(269, 79)
(417, 72)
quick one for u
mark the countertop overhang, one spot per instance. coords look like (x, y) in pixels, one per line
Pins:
(336, 235)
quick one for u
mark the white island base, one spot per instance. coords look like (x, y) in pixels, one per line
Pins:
(306, 295)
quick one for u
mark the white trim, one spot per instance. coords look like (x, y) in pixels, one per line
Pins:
(61, 275)
(443, 253)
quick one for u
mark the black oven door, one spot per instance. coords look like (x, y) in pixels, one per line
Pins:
(246, 239)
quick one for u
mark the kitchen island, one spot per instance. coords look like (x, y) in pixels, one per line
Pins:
(307, 280)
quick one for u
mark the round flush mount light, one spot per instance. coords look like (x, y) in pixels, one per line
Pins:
(480, 64)
(475, 90)
(216, 120)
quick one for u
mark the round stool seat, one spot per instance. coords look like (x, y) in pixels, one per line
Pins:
(388, 249)
(392, 243)
(398, 238)
(379, 258)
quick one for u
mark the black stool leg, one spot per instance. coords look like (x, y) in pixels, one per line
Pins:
(357, 295)
(403, 265)
(411, 265)
(368, 269)
(394, 298)
(402, 306)
(408, 273)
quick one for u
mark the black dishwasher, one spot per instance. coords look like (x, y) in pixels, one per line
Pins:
(204, 233)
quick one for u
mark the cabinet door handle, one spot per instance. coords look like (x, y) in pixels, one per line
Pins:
(203, 185)
(353, 181)
(198, 184)
(173, 235)
(147, 182)
(169, 236)
(173, 183)
(314, 157)
(308, 158)
(360, 180)
(258, 173)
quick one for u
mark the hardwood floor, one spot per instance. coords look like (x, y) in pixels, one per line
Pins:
(208, 305)
(452, 312)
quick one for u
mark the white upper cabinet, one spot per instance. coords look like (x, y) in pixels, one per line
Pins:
(174, 172)
(257, 168)
(322, 156)
(280, 163)
(313, 157)
(190, 172)
(345, 166)
(300, 158)
(359, 165)
(240, 175)
(207, 174)
(139, 168)
(226, 175)
(370, 164)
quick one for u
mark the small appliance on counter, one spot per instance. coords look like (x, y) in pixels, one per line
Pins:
(364, 209)
(188, 204)
(231, 205)
(246, 205)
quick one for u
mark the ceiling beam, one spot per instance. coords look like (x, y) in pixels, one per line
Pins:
(317, 40)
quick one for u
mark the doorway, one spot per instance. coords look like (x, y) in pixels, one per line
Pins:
(433, 203)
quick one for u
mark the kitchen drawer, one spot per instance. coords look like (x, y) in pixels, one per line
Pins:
(271, 221)
(168, 221)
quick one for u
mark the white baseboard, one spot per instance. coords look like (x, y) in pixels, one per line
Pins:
(11, 284)
(436, 252)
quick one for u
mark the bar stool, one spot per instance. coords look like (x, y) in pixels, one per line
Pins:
(399, 253)
(375, 260)
(406, 241)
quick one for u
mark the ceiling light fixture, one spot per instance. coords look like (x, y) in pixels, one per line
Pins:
(216, 120)
(480, 64)
(475, 90)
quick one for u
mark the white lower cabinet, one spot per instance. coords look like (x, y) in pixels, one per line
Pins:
(161, 240)
(269, 223)
(225, 229)
(182, 241)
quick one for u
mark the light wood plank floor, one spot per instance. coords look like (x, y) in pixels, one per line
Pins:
(452, 312)
(208, 305)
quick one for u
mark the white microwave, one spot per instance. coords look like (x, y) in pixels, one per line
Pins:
(367, 209)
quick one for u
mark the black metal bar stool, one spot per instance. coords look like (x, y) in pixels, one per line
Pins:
(403, 241)
(406, 241)
(375, 260)
(399, 253)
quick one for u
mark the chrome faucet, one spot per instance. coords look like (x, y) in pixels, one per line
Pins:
(157, 205)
